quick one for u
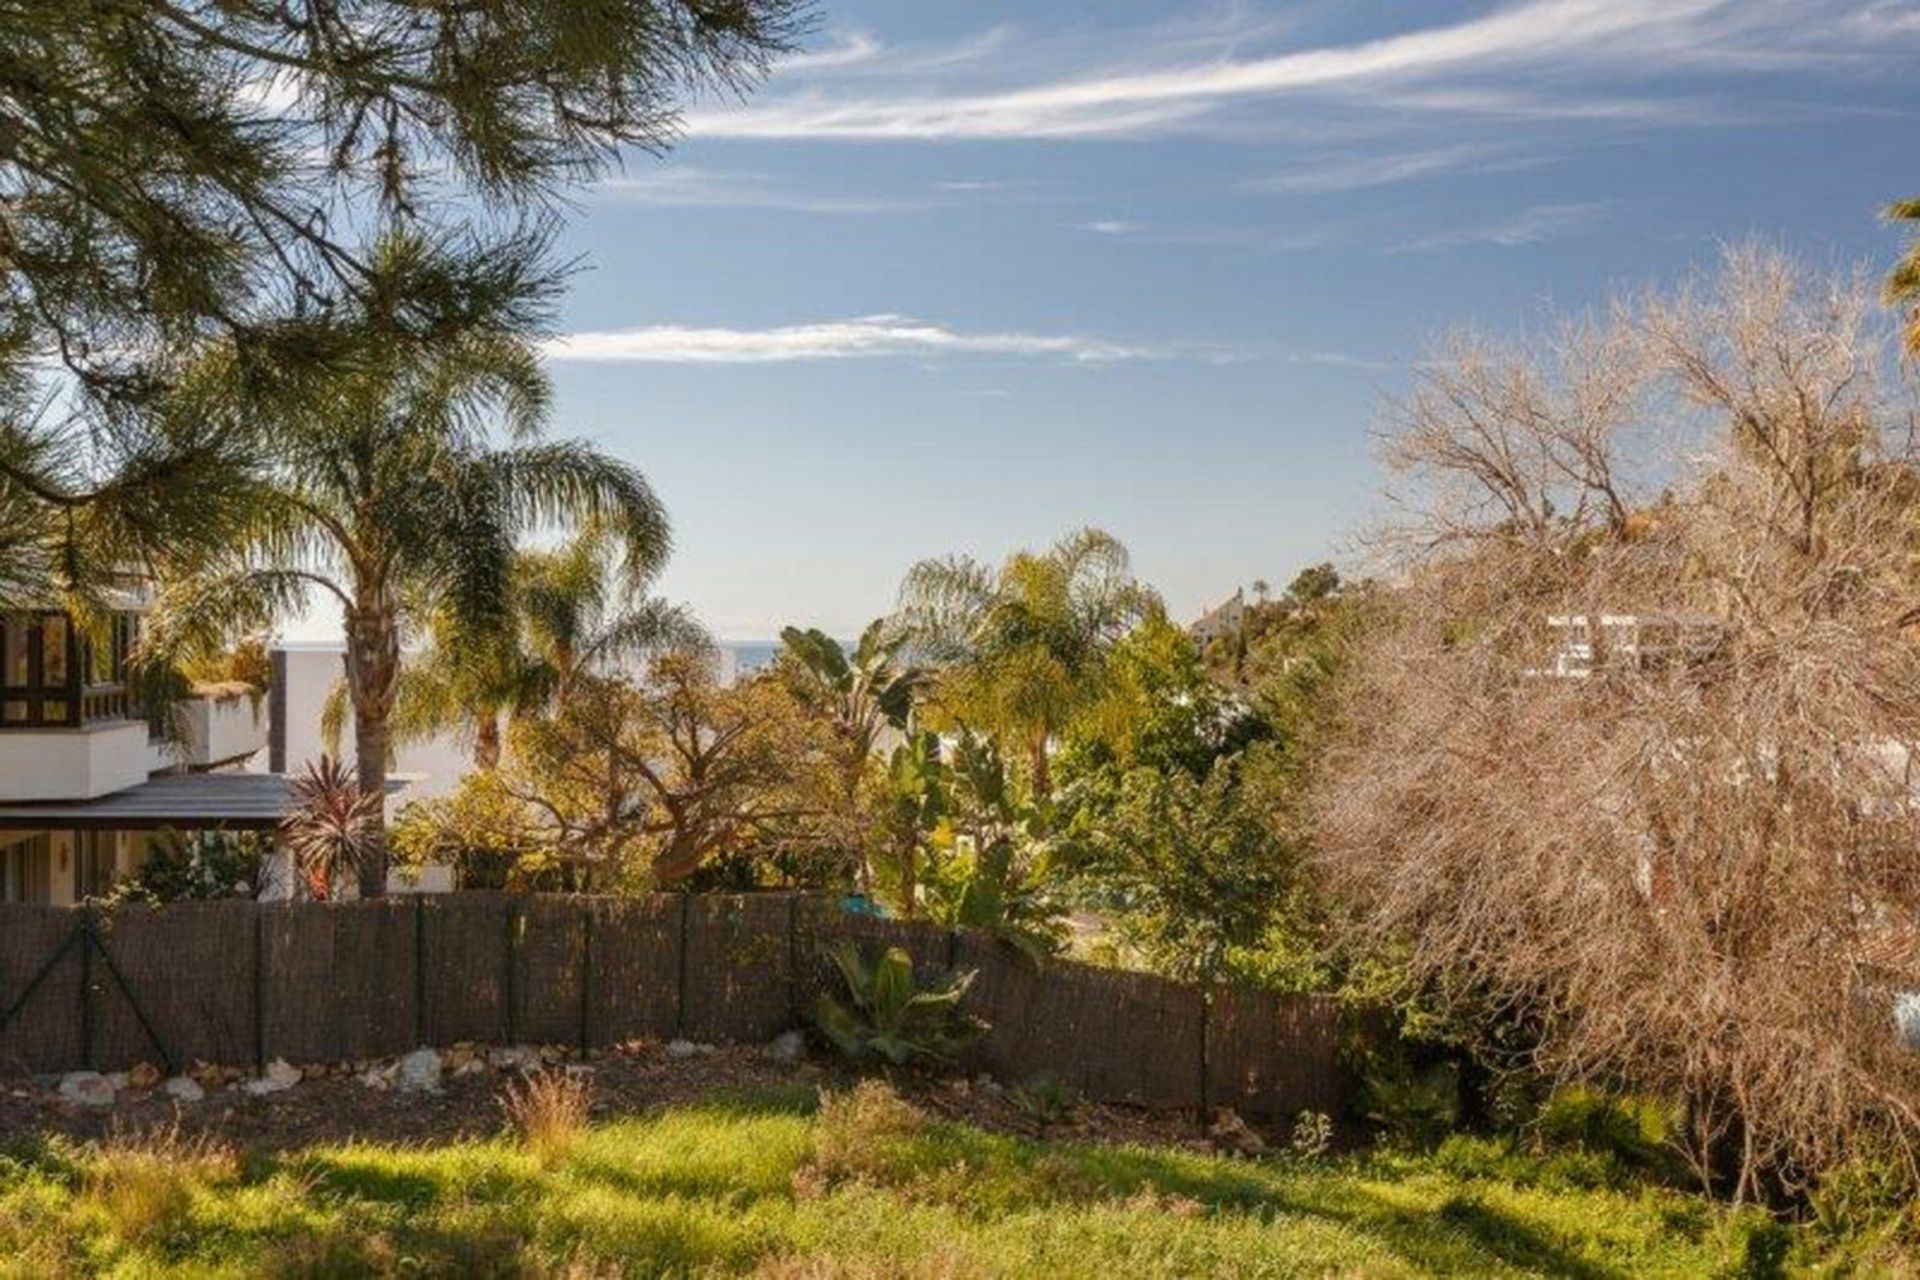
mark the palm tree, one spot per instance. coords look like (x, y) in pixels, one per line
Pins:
(863, 693)
(1903, 284)
(1023, 648)
(575, 610)
(390, 491)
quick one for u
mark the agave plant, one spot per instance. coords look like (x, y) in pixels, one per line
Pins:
(330, 826)
(887, 1017)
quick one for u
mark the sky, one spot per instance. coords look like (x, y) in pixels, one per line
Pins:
(963, 277)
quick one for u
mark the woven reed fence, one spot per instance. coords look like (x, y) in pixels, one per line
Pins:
(244, 982)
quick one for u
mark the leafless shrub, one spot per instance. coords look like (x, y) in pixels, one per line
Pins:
(1632, 751)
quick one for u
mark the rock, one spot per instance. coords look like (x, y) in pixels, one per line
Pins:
(143, 1076)
(1232, 1133)
(419, 1072)
(516, 1057)
(206, 1075)
(378, 1077)
(118, 1079)
(279, 1076)
(183, 1089)
(86, 1089)
(471, 1067)
(459, 1056)
(579, 1071)
(687, 1049)
(788, 1046)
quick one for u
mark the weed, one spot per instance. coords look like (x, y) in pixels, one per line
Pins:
(549, 1111)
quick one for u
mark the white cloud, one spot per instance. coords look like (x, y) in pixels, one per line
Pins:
(685, 187)
(863, 337)
(1529, 226)
(1111, 227)
(1601, 40)
(849, 50)
(1356, 170)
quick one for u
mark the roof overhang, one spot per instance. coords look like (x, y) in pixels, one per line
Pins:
(184, 802)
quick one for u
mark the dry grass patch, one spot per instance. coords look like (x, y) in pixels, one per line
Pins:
(144, 1182)
(549, 1111)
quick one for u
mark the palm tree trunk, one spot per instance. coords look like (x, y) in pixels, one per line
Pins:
(1042, 773)
(486, 743)
(373, 669)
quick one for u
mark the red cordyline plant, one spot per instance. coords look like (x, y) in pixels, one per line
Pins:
(330, 826)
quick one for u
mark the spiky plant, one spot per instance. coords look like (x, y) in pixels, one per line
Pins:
(331, 825)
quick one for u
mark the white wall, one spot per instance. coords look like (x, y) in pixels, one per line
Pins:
(73, 764)
(312, 670)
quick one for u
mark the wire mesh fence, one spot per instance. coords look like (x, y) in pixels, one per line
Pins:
(243, 982)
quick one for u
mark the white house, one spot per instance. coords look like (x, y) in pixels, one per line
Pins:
(86, 782)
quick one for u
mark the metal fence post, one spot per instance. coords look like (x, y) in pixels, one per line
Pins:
(89, 1051)
(259, 989)
(586, 976)
(1206, 1056)
(419, 969)
(680, 969)
(516, 927)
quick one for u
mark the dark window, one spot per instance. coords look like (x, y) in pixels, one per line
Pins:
(52, 674)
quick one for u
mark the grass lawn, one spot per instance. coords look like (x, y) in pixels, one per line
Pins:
(773, 1185)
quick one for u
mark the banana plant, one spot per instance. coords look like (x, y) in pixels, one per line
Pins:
(888, 1017)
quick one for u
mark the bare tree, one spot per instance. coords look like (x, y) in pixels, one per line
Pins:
(1632, 749)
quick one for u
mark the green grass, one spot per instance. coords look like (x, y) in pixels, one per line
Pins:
(764, 1185)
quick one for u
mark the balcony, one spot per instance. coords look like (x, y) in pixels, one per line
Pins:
(219, 726)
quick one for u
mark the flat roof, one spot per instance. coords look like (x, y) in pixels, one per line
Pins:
(187, 801)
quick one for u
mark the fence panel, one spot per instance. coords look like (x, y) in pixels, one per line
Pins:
(553, 963)
(1275, 1055)
(373, 993)
(738, 976)
(45, 1031)
(189, 973)
(635, 989)
(362, 980)
(464, 962)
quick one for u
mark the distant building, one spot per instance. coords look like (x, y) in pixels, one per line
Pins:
(1223, 621)
(1585, 644)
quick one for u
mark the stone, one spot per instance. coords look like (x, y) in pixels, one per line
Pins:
(515, 1057)
(1232, 1133)
(687, 1049)
(118, 1079)
(471, 1067)
(788, 1046)
(279, 1076)
(183, 1089)
(378, 1077)
(86, 1089)
(144, 1075)
(419, 1072)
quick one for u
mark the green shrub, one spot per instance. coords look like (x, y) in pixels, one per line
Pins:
(1637, 1132)
(1044, 1099)
(887, 1017)
(1756, 1246)
(1865, 1196)
(1410, 1103)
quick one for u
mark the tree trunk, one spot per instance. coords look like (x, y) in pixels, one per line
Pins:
(373, 668)
(1041, 771)
(486, 743)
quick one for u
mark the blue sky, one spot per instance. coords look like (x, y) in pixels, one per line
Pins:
(963, 276)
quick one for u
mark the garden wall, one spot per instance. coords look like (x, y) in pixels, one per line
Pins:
(240, 982)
